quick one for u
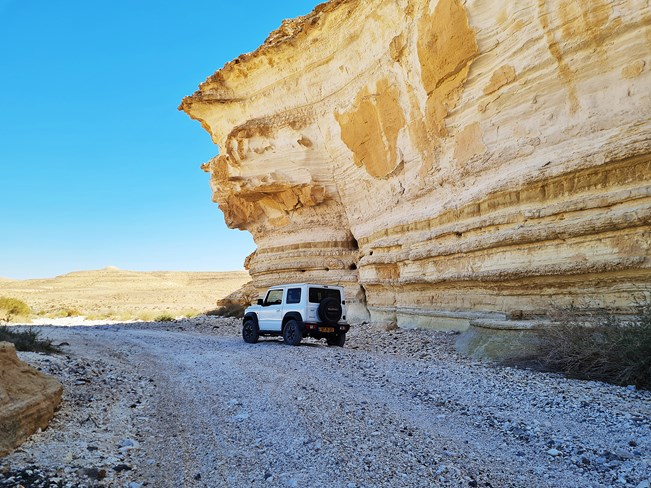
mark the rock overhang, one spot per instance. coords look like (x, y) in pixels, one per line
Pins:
(444, 155)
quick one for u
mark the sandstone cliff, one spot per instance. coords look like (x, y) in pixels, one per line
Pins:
(28, 399)
(442, 159)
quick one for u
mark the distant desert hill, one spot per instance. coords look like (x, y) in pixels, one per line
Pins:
(112, 292)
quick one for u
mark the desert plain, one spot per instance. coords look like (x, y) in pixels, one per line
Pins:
(113, 293)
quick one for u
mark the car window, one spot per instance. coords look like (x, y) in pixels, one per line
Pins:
(318, 294)
(294, 295)
(274, 297)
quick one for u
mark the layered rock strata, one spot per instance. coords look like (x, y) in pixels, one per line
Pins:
(444, 160)
(28, 399)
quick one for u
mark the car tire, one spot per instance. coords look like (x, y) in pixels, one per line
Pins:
(330, 311)
(250, 331)
(292, 333)
(336, 340)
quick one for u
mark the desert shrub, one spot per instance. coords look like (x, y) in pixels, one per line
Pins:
(26, 340)
(601, 347)
(11, 308)
(66, 312)
(164, 318)
(228, 310)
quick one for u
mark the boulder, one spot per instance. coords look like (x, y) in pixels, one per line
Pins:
(28, 399)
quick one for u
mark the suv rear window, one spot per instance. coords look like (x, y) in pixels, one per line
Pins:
(294, 295)
(318, 294)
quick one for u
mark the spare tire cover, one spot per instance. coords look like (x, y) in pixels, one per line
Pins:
(330, 310)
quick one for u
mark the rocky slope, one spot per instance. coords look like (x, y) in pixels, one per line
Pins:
(28, 399)
(444, 160)
(113, 292)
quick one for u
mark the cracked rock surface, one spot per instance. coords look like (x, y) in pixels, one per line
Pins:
(189, 403)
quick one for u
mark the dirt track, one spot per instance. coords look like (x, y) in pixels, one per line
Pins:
(189, 405)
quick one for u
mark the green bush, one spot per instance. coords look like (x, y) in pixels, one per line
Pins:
(602, 347)
(26, 340)
(11, 308)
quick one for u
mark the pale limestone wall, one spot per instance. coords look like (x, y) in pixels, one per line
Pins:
(456, 159)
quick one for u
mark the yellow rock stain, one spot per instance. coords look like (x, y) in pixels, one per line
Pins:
(582, 24)
(501, 77)
(370, 130)
(469, 143)
(447, 46)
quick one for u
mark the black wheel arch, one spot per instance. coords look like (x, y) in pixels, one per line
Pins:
(252, 316)
(294, 316)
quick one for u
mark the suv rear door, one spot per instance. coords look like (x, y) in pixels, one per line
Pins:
(316, 294)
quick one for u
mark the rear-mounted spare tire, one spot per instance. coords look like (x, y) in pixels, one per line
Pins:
(330, 311)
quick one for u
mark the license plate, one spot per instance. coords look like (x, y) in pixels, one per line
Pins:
(327, 329)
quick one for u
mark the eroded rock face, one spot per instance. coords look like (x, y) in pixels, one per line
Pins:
(455, 159)
(28, 399)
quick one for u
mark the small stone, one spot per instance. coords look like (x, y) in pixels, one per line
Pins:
(554, 452)
(644, 484)
(621, 453)
(133, 484)
(121, 467)
(93, 473)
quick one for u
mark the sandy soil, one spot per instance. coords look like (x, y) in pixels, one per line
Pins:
(112, 292)
(190, 404)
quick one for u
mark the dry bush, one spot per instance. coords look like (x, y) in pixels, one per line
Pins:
(164, 318)
(26, 340)
(11, 308)
(235, 310)
(599, 347)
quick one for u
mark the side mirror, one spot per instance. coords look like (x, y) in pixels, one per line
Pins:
(260, 301)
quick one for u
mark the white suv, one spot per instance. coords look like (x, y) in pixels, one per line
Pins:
(296, 311)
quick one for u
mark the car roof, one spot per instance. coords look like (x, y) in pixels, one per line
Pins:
(305, 284)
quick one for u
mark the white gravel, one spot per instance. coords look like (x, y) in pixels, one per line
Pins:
(190, 404)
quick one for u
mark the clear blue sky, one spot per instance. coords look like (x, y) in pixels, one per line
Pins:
(97, 166)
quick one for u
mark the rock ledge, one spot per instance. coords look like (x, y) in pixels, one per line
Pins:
(28, 399)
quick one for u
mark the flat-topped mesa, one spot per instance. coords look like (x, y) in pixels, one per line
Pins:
(454, 159)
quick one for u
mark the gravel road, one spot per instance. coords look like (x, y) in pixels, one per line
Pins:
(190, 404)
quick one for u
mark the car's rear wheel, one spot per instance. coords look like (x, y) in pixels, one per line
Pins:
(292, 333)
(250, 331)
(337, 340)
